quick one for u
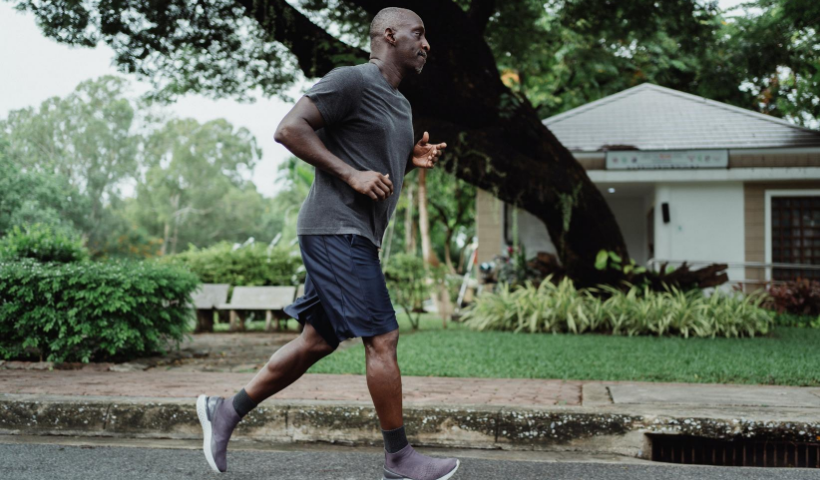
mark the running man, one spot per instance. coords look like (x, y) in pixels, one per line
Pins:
(356, 128)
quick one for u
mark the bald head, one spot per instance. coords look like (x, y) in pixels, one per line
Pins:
(392, 18)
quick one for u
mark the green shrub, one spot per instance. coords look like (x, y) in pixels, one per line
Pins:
(42, 243)
(787, 319)
(252, 265)
(406, 282)
(85, 311)
(562, 308)
(410, 283)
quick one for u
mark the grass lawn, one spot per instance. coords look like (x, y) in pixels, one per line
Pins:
(790, 356)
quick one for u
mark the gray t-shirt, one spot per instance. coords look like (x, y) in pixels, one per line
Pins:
(369, 125)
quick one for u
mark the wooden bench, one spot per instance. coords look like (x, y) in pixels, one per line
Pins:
(206, 299)
(265, 299)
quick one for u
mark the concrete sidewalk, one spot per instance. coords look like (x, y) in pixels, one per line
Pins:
(612, 417)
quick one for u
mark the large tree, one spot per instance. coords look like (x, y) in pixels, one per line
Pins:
(230, 47)
(192, 188)
(85, 138)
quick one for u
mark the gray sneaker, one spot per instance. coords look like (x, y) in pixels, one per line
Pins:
(408, 464)
(218, 419)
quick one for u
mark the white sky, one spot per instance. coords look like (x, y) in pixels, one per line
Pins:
(35, 68)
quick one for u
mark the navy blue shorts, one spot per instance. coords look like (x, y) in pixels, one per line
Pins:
(345, 291)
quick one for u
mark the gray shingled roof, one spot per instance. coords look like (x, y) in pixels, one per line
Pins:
(651, 117)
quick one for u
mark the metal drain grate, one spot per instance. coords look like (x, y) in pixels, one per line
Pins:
(738, 452)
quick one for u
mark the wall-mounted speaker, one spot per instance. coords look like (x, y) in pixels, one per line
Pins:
(665, 212)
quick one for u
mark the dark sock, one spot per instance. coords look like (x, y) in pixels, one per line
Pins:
(394, 440)
(242, 403)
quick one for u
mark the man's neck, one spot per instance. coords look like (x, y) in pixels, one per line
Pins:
(389, 71)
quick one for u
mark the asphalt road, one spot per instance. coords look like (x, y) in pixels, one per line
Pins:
(29, 461)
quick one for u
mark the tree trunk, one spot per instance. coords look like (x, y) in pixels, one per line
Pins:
(440, 296)
(447, 260)
(165, 239)
(409, 224)
(427, 252)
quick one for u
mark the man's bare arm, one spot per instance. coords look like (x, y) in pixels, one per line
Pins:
(297, 132)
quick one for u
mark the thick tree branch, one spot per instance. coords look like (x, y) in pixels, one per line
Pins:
(480, 13)
(317, 51)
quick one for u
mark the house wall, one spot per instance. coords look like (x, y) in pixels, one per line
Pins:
(754, 219)
(773, 159)
(489, 228)
(734, 232)
(706, 224)
(532, 233)
(631, 217)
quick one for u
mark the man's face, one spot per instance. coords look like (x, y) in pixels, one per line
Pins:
(412, 44)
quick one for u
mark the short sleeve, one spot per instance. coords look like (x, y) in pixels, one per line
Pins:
(337, 94)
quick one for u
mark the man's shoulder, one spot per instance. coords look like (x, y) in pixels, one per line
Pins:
(352, 72)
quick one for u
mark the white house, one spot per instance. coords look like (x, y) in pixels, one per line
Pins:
(687, 179)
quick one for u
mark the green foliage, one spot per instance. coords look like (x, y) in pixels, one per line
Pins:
(64, 164)
(410, 283)
(562, 308)
(786, 319)
(609, 259)
(295, 177)
(85, 138)
(514, 270)
(451, 206)
(28, 197)
(42, 243)
(91, 310)
(193, 190)
(252, 265)
(560, 56)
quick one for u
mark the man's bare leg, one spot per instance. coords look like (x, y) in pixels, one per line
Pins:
(384, 378)
(401, 461)
(219, 416)
(288, 363)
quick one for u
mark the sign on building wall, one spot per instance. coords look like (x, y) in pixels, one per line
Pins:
(639, 159)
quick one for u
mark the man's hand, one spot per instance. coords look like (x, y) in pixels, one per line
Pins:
(425, 155)
(373, 184)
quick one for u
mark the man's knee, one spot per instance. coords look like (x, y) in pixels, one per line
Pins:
(384, 344)
(314, 343)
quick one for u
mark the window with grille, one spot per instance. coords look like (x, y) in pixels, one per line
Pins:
(795, 236)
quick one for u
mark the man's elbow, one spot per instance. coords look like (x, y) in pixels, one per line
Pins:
(283, 133)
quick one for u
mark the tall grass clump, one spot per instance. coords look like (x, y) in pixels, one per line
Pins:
(563, 309)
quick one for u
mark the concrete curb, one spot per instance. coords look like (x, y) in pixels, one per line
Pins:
(612, 429)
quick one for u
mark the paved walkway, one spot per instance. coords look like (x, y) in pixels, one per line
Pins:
(220, 364)
(416, 390)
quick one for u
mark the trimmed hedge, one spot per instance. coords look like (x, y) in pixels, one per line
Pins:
(91, 311)
(561, 308)
(251, 265)
(42, 243)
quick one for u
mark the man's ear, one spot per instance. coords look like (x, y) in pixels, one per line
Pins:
(390, 36)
